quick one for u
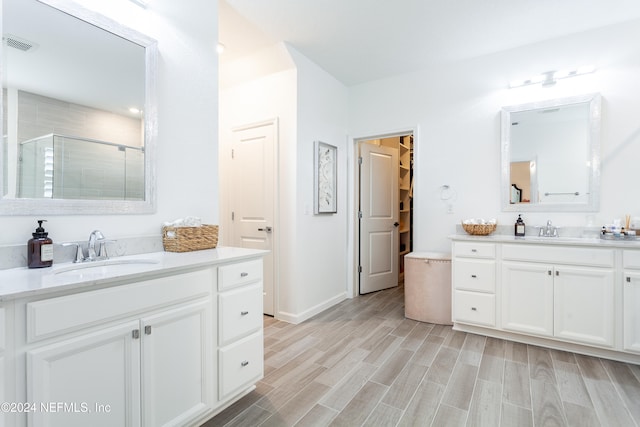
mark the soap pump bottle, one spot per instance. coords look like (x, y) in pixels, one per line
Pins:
(519, 227)
(40, 248)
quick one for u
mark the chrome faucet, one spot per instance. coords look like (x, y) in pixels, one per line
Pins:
(549, 231)
(96, 237)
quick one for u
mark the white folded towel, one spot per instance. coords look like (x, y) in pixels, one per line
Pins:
(187, 221)
(479, 221)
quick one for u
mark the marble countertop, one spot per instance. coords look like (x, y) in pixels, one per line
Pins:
(23, 282)
(571, 241)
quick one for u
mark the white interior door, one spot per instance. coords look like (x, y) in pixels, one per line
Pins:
(379, 218)
(252, 196)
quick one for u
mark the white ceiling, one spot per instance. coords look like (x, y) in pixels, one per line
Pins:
(363, 40)
(72, 60)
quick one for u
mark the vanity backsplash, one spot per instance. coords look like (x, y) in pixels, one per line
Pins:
(14, 256)
(591, 232)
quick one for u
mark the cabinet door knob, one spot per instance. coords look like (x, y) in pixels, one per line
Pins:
(244, 274)
(474, 250)
(244, 313)
(474, 309)
(557, 273)
(135, 334)
(628, 279)
(147, 330)
(474, 276)
(549, 272)
(244, 363)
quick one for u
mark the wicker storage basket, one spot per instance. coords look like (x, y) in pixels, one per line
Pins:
(479, 229)
(187, 239)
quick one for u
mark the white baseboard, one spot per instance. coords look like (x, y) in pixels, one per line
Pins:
(308, 314)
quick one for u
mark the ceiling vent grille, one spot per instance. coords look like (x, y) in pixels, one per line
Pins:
(19, 43)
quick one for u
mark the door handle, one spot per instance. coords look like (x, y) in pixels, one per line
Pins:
(395, 224)
(267, 229)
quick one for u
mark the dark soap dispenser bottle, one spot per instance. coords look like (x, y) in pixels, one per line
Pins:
(40, 248)
(519, 227)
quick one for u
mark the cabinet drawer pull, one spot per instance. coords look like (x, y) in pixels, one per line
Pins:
(244, 313)
(474, 309)
(549, 272)
(557, 273)
(244, 274)
(244, 363)
(473, 276)
(628, 279)
(474, 250)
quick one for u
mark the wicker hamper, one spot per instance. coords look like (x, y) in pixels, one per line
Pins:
(187, 239)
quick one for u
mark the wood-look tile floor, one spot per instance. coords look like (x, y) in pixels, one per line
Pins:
(362, 363)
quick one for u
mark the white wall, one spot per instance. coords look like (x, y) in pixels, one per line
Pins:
(265, 98)
(310, 105)
(187, 154)
(456, 109)
(321, 240)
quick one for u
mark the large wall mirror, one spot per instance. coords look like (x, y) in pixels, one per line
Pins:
(79, 117)
(551, 155)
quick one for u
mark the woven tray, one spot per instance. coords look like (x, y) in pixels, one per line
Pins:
(188, 239)
(479, 229)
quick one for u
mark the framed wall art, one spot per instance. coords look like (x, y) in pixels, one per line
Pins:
(325, 178)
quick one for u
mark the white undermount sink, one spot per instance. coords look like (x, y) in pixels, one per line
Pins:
(104, 266)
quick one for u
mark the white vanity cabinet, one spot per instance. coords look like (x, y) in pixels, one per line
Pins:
(631, 298)
(240, 336)
(579, 295)
(149, 360)
(527, 298)
(474, 283)
(168, 341)
(565, 293)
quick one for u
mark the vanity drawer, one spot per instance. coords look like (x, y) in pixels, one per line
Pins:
(475, 307)
(475, 250)
(559, 254)
(240, 312)
(65, 314)
(475, 275)
(631, 259)
(240, 364)
(233, 275)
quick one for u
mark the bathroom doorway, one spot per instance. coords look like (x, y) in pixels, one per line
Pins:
(252, 196)
(384, 210)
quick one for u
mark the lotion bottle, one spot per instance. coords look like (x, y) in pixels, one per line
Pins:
(40, 248)
(519, 227)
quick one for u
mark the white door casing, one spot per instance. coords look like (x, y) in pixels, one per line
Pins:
(379, 209)
(252, 196)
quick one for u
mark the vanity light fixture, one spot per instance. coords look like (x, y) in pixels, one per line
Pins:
(549, 78)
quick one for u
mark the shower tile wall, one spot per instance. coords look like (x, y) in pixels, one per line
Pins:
(39, 115)
(80, 169)
(83, 170)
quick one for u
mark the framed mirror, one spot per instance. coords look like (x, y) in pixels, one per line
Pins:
(79, 116)
(551, 155)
